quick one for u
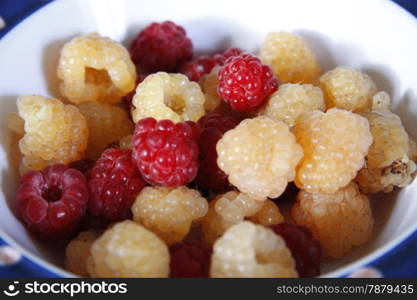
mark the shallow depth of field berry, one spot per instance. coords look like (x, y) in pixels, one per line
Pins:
(157, 161)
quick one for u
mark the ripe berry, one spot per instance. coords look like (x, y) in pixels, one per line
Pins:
(340, 221)
(244, 82)
(95, 68)
(190, 259)
(249, 250)
(128, 250)
(290, 57)
(212, 126)
(250, 155)
(161, 47)
(53, 201)
(166, 153)
(305, 250)
(114, 182)
(196, 69)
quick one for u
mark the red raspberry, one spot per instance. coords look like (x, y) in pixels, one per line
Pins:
(166, 153)
(190, 259)
(196, 69)
(212, 126)
(244, 82)
(114, 182)
(161, 47)
(223, 56)
(306, 251)
(53, 201)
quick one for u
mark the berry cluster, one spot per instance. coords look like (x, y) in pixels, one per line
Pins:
(228, 165)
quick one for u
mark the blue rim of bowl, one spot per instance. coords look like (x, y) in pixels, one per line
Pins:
(31, 266)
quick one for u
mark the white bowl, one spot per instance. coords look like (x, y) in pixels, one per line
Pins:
(375, 35)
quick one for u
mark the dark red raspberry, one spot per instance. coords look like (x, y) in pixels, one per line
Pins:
(198, 68)
(161, 47)
(306, 251)
(53, 201)
(166, 153)
(212, 127)
(114, 182)
(83, 165)
(223, 56)
(244, 82)
(189, 259)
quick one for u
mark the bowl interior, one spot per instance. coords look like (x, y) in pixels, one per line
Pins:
(372, 35)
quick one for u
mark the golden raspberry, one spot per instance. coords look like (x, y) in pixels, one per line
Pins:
(249, 250)
(54, 132)
(226, 210)
(128, 250)
(78, 251)
(168, 96)
(292, 100)
(169, 212)
(268, 215)
(259, 156)
(106, 123)
(335, 144)
(208, 84)
(339, 221)
(381, 101)
(348, 88)
(126, 142)
(290, 58)
(95, 68)
(387, 162)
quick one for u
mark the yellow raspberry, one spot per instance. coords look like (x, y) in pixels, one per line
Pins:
(388, 163)
(381, 101)
(95, 68)
(54, 132)
(292, 100)
(259, 156)
(78, 251)
(169, 212)
(348, 88)
(339, 221)
(168, 96)
(208, 84)
(290, 58)
(106, 123)
(268, 215)
(249, 250)
(335, 144)
(226, 210)
(128, 250)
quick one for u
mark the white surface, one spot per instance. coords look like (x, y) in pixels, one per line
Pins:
(374, 35)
